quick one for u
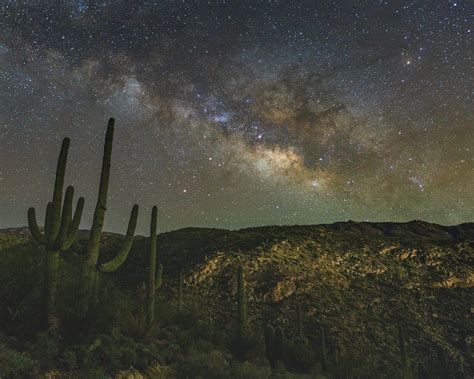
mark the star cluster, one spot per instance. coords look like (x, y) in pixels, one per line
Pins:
(234, 114)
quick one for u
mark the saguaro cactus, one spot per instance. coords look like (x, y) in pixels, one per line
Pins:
(91, 266)
(275, 346)
(241, 304)
(154, 276)
(60, 232)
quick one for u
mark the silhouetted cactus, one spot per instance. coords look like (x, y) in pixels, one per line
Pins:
(92, 267)
(60, 232)
(154, 276)
(241, 304)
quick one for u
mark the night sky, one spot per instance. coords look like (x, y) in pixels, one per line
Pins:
(235, 114)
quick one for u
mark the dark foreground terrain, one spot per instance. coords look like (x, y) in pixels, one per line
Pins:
(358, 282)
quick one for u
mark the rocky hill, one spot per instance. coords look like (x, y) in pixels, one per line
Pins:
(358, 281)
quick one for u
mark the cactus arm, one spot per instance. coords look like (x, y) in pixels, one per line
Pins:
(58, 192)
(74, 226)
(65, 218)
(101, 206)
(33, 225)
(47, 219)
(159, 277)
(116, 262)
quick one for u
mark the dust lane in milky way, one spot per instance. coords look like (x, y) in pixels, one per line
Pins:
(241, 114)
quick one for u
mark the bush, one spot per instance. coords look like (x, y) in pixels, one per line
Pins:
(299, 357)
(16, 365)
(208, 365)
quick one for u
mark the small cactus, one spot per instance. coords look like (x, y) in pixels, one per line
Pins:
(60, 232)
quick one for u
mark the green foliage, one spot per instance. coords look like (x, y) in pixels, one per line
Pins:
(16, 365)
(203, 364)
(20, 283)
(299, 357)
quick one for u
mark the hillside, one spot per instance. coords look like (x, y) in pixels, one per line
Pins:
(358, 281)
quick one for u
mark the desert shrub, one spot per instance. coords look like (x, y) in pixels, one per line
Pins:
(247, 348)
(198, 364)
(46, 349)
(247, 370)
(16, 365)
(299, 357)
(20, 284)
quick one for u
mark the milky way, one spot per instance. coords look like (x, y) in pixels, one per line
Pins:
(240, 114)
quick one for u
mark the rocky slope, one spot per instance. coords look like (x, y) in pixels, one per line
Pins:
(358, 281)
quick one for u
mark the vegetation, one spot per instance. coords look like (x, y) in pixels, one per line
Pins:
(356, 282)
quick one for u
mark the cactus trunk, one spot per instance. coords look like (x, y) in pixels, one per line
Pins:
(51, 274)
(152, 270)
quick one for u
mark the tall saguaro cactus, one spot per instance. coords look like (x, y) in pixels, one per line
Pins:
(60, 232)
(91, 266)
(241, 304)
(154, 276)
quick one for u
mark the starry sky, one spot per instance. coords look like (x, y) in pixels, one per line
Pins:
(241, 113)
